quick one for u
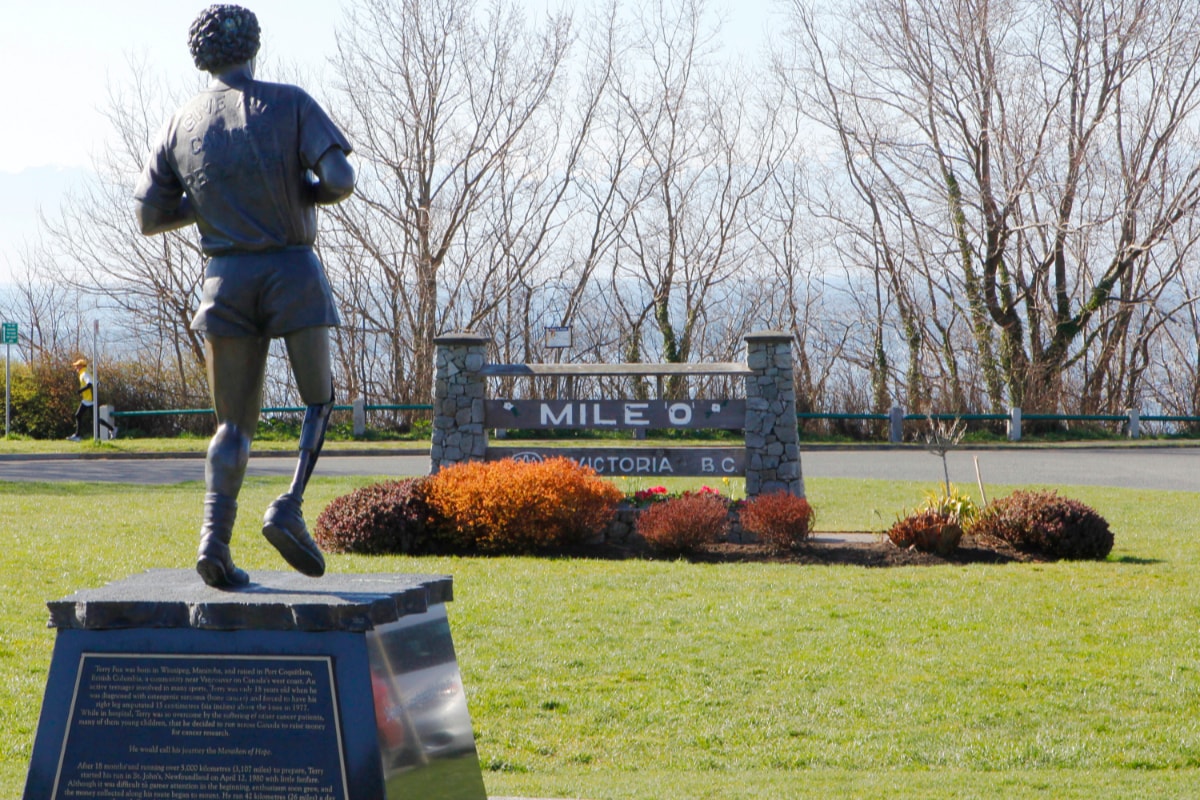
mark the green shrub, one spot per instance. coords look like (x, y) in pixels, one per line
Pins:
(953, 503)
(44, 398)
(387, 517)
(779, 519)
(1047, 523)
(683, 523)
(133, 385)
(45, 394)
(519, 507)
(928, 530)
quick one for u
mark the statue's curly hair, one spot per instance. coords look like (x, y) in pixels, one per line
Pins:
(223, 35)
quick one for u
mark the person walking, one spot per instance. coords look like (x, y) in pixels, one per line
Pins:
(87, 402)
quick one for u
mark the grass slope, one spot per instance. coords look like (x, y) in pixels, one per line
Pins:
(644, 679)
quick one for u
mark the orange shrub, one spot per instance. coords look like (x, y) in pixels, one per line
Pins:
(683, 523)
(519, 507)
(779, 519)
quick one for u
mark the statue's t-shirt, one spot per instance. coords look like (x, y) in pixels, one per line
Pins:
(241, 152)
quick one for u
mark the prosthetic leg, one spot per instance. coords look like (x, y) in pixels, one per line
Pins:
(224, 469)
(283, 524)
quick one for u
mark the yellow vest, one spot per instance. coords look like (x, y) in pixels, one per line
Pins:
(85, 381)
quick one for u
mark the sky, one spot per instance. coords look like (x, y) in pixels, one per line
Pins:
(61, 56)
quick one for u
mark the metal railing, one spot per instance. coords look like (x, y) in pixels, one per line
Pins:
(1014, 419)
(278, 409)
(896, 418)
(359, 408)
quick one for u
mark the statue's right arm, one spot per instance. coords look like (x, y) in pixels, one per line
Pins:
(153, 219)
(335, 178)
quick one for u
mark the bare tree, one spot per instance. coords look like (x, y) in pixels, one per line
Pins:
(789, 285)
(50, 316)
(703, 149)
(1037, 153)
(150, 287)
(438, 96)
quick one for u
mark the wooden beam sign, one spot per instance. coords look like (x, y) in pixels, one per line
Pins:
(716, 462)
(616, 414)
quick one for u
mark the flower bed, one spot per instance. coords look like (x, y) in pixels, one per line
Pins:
(558, 507)
(622, 530)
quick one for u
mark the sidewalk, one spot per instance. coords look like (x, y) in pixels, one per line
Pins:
(845, 537)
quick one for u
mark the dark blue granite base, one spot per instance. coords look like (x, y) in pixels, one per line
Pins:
(337, 689)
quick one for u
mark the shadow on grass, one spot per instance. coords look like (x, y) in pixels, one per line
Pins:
(1135, 560)
(879, 553)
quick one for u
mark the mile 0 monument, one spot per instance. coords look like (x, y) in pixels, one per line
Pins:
(248, 162)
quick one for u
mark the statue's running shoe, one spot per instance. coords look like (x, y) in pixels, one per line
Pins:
(283, 525)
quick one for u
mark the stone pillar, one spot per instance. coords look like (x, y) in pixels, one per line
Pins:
(772, 436)
(106, 414)
(896, 425)
(1014, 425)
(458, 394)
(360, 417)
(1135, 422)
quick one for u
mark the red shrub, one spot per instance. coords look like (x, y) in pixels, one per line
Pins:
(1044, 522)
(388, 517)
(780, 519)
(519, 507)
(683, 523)
(928, 530)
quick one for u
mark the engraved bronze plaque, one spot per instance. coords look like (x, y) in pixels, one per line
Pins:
(197, 726)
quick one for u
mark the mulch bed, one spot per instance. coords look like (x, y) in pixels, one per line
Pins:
(876, 553)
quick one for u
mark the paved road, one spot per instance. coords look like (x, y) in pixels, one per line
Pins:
(1176, 468)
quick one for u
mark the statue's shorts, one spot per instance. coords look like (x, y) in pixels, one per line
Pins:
(265, 294)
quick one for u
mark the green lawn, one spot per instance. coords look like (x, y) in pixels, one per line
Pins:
(643, 679)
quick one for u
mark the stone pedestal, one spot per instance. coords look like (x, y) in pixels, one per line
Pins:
(345, 688)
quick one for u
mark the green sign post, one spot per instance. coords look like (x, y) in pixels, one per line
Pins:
(10, 338)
